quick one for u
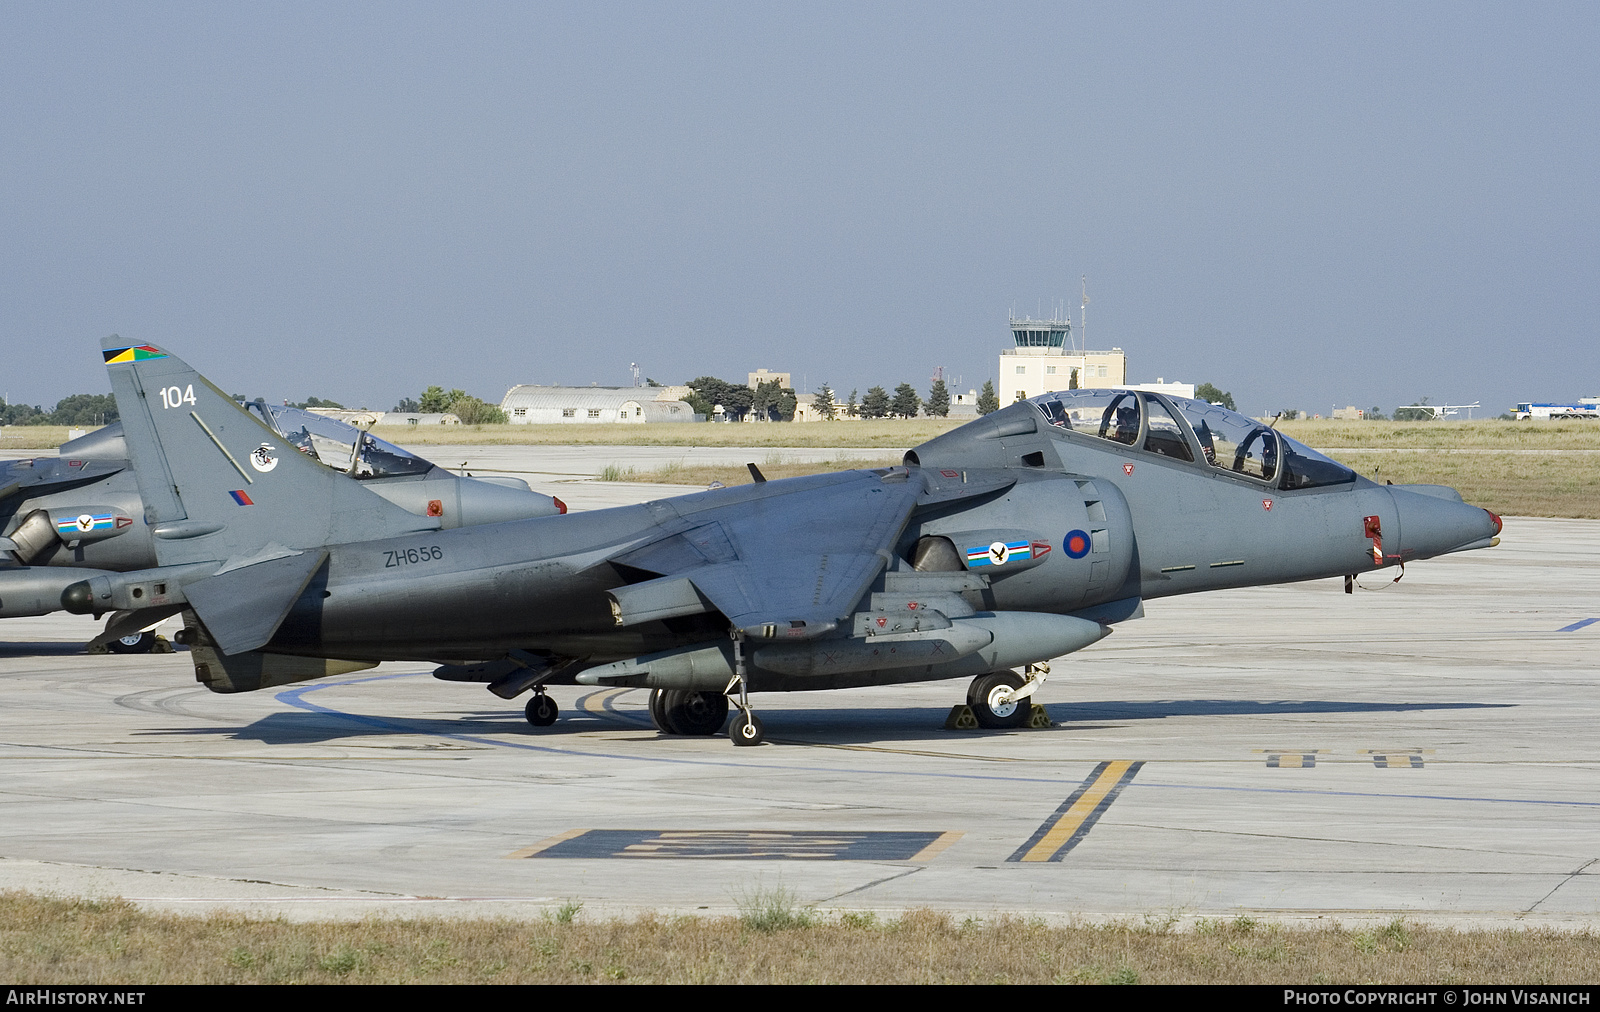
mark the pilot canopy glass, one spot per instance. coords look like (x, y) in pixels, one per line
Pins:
(1231, 441)
(1228, 441)
(339, 444)
(1115, 415)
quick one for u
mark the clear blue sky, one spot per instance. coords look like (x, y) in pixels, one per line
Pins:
(1306, 204)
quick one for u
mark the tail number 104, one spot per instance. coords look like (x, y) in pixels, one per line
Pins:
(172, 397)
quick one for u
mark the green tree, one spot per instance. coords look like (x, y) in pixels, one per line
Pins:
(988, 403)
(787, 403)
(1375, 414)
(938, 400)
(1072, 379)
(906, 402)
(21, 414)
(85, 409)
(316, 402)
(1209, 393)
(1288, 414)
(875, 404)
(823, 403)
(473, 411)
(437, 399)
(851, 410)
(408, 405)
(736, 399)
(764, 400)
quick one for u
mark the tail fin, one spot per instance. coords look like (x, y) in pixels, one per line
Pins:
(219, 485)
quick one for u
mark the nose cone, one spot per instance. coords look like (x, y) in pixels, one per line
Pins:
(1434, 521)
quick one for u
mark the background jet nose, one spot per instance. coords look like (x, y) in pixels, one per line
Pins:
(1434, 521)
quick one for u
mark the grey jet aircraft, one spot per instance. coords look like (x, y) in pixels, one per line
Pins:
(81, 510)
(1012, 540)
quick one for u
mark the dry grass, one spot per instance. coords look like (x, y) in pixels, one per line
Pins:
(901, 434)
(51, 941)
(1527, 485)
(1490, 434)
(32, 437)
(773, 466)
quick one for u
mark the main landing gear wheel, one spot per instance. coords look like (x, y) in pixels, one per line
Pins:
(136, 643)
(658, 711)
(990, 708)
(542, 710)
(694, 713)
(746, 729)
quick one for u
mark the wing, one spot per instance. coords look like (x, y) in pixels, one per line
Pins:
(782, 559)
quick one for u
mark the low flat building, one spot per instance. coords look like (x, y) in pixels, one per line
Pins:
(1161, 386)
(364, 419)
(531, 404)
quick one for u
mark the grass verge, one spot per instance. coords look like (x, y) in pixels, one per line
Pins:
(1527, 485)
(773, 466)
(893, 433)
(54, 941)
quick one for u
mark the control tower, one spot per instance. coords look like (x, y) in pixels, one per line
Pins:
(1043, 360)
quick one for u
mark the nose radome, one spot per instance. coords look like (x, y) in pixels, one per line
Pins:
(1435, 521)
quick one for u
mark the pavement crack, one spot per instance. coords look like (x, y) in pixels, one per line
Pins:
(1578, 871)
(875, 882)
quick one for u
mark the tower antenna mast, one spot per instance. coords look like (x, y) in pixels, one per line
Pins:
(1083, 317)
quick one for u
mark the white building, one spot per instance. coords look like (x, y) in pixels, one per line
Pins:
(1042, 361)
(364, 419)
(527, 404)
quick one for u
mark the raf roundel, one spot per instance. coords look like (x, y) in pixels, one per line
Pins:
(1076, 544)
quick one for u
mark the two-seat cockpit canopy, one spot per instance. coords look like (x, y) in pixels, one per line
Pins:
(338, 444)
(1192, 431)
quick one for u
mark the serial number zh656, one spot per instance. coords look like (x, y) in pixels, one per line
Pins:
(411, 556)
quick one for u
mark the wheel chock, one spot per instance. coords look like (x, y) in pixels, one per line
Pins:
(96, 648)
(961, 719)
(162, 645)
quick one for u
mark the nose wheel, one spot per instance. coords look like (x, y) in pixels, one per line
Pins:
(995, 703)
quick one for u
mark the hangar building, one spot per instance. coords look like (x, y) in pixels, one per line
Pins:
(527, 404)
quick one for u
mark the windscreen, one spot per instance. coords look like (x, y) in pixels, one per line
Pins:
(339, 444)
(1306, 468)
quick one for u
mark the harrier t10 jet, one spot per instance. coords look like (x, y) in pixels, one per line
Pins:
(1015, 539)
(82, 510)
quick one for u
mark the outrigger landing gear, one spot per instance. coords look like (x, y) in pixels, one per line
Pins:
(541, 709)
(999, 699)
(746, 727)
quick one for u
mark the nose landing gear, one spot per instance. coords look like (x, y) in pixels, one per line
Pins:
(1000, 699)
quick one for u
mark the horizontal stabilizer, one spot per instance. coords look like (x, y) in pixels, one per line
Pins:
(242, 608)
